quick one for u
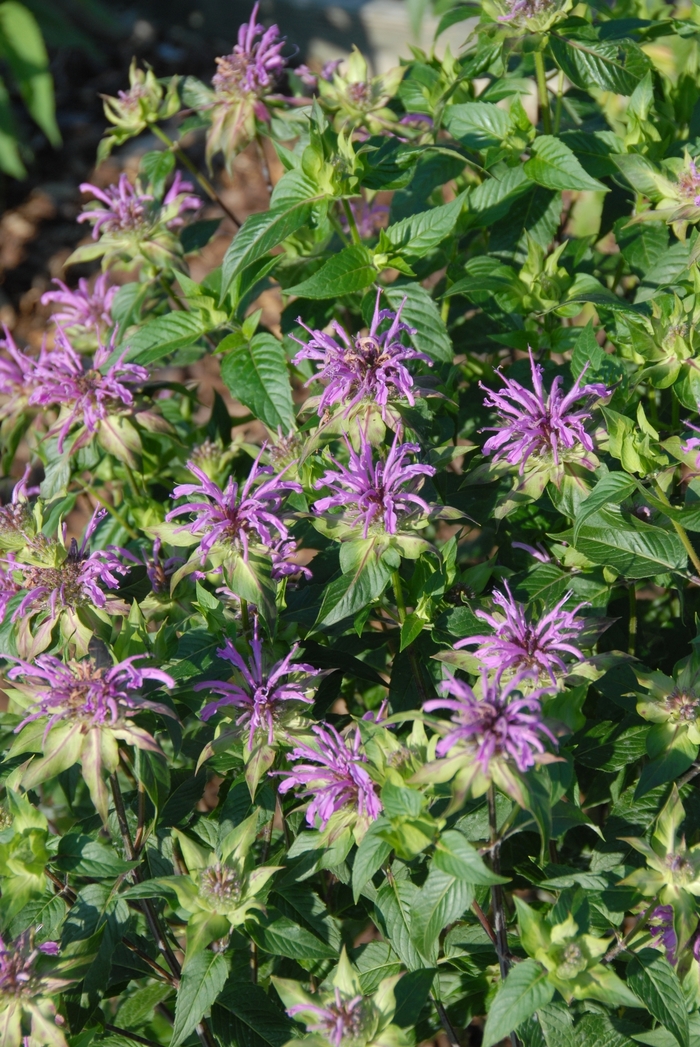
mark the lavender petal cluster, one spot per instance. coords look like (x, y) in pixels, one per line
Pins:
(333, 774)
(520, 642)
(502, 723)
(262, 692)
(368, 367)
(369, 219)
(370, 492)
(341, 1021)
(84, 691)
(255, 63)
(539, 424)
(85, 308)
(127, 208)
(235, 515)
(78, 577)
(524, 9)
(87, 391)
(688, 184)
(17, 962)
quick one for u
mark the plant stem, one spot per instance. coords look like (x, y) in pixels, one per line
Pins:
(356, 238)
(680, 531)
(497, 900)
(447, 1025)
(398, 593)
(186, 162)
(543, 93)
(632, 631)
(263, 164)
(675, 412)
(483, 920)
(641, 921)
(560, 102)
(131, 1035)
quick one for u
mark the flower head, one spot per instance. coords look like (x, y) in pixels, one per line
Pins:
(519, 643)
(254, 64)
(85, 692)
(688, 185)
(662, 931)
(365, 367)
(497, 724)
(522, 9)
(375, 493)
(259, 691)
(26, 991)
(539, 424)
(87, 390)
(127, 208)
(369, 219)
(158, 569)
(234, 516)
(341, 1021)
(83, 308)
(334, 776)
(17, 525)
(284, 565)
(58, 578)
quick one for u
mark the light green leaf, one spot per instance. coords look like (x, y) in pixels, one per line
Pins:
(259, 234)
(203, 978)
(420, 233)
(352, 592)
(633, 550)
(349, 270)
(614, 487)
(652, 979)
(525, 990)
(456, 856)
(22, 47)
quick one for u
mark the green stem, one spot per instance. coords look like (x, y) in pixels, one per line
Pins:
(187, 163)
(338, 228)
(675, 412)
(621, 946)
(497, 900)
(560, 102)
(398, 593)
(680, 531)
(543, 93)
(632, 631)
(112, 512)
(356, 238)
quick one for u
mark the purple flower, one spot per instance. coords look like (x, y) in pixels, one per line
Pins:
(688, 184)
(662, 932)
(233, 516)
(17, 962)
(87, 392)
(333, 775)
(533, 423)
(58, 579)
(158, 570)
(342, 1021)
(518, 642)
(17, 525)
(83, 307)
(262, 690)
(369, 219)
(366, 367)
(8, 586)
(254, 64)
(84, 691)
(284, 565)
(539, 553)
(128, 208)
(496, 725)
(375, 492)
(524, 9)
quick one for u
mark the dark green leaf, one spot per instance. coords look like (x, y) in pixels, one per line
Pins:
(350, 270)
(651, 978)
(203, 978)
(256, 375)
(525, 990)
(259, 234)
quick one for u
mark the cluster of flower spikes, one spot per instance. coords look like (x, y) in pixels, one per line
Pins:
(534, 424)
(340, 1022)
(54, 576)
(84, 691)
(127, 208)
(365, 367)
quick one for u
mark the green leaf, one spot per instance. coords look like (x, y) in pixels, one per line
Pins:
(140, 1007)
(202, 980)
(652, 979)
(442, 900)
(634, 550)
(417, 235)
(10, 161)
(157, 338)
(524, 991)
(256, 375)
(157, 165)
(396, 903)
(608, 65)
(456, 856)
(411, 628)
(554, 166)
(245, 1016)
(352, 592)
(614, 487)
(80, 854)
(349, 270)
(371, 853)
(22, 47)
(477, 125)
(282, 936)
(259, 234)
(196, 236)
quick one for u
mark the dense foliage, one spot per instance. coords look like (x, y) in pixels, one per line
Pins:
(374, 712)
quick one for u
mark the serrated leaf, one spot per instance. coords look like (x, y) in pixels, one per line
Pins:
(610, 65)
(653, 980)
(633, 551)
(477, 125)
(421, 312)
(163, 335)
(256, 375)
(349, 270)
(525, 990)
(396, 903)
(352, 592)
(371, 853)
(245, 1015)
(259, 234)
(614, 487)
(554, 166)
(282, 936)
(420, 233)
(442, 900)
(202, 980)
(456, 856)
